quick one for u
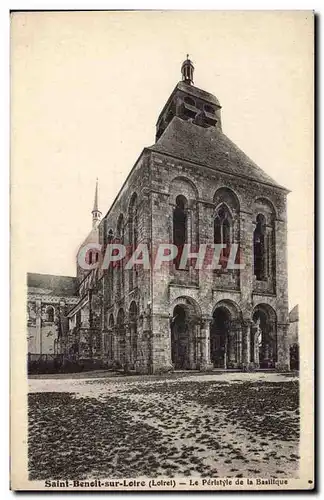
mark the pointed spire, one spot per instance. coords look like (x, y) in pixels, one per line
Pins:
(96, 214)
(95, 204)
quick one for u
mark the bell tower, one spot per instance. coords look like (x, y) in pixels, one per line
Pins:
(190, 104)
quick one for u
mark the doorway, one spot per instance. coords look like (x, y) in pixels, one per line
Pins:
(179, 338)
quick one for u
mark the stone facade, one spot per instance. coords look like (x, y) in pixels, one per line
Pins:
(155, 320)
(49, 298)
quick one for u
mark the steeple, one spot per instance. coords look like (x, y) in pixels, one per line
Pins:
(96, 214)
(187, 70)
(190, 103)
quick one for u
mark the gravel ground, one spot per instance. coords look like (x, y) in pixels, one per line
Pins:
(214, 425)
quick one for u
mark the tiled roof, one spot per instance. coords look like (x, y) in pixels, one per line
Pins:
(294, 314)
(210, 147)
(63, 286)
(93, 237)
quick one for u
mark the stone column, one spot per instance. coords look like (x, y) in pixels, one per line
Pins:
(114, 356)
(239, 347)
(107, 333)
(205, 363)
(283, 363)
(255, 339)
(38, 326)
(127, 349)
(246, 330)
(145, 362)
(231, 344)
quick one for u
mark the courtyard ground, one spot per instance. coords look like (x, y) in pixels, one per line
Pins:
(207, 425)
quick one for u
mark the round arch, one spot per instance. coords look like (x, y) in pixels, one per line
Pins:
(182, 185)
(190, 305)
(228, 196)
(264, 336)
(230, 306)
(265, 206)
(266, 309)
(185, 316)
(225, 335)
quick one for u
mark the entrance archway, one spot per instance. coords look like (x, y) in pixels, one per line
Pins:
(185, 325)
(226, 336)
(264, 336)
(179, 338)
(219, 337)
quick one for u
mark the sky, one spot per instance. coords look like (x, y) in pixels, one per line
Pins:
(86, 91)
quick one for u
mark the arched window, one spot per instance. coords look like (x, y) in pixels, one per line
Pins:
(50, 314)
(259, 248)
(132, 237)
(223, 232)
(223, 226)
(180, 226)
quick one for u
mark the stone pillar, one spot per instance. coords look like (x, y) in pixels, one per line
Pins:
(107, 343)
(246, 331)
(205, 363)
(160, 341)
(255, 339)
(283, 363)
(189, 228)
(127, 348)
(38, 326)
(114, 356)
(145, 343)
(231, 344)
(239, 347)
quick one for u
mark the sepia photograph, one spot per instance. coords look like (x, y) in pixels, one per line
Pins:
(162, 242)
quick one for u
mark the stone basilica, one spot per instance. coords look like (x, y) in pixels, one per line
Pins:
(193, 186)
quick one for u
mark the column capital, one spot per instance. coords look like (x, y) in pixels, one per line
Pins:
(206, 318)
